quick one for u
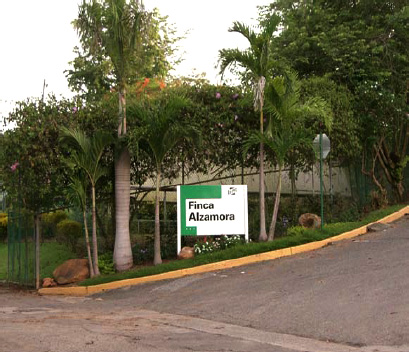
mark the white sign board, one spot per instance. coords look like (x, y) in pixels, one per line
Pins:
(212, 210)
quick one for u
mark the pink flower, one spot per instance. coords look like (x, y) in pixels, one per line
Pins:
(218, 95)
(74, 109)
(235, 96)
(14, 166)
(236, 117)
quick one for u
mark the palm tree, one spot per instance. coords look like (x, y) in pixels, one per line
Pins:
(77, 193)
(86, 155)
(116, 27)
(285, 130)
(257, 63)
(162, 129)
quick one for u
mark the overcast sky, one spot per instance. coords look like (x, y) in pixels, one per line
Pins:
(37, 39)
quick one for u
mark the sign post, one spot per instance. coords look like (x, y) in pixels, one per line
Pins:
(211, 211)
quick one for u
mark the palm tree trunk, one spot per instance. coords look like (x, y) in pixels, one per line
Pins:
(94, 233)
(157, 256)
(263, 235)
(90, 262)
(271, 232)
(122, 252)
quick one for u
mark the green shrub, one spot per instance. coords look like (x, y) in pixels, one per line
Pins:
(68, 233)
(295, 231)
(3, 226)
(50, 222)
(141, 253)
(106, 263)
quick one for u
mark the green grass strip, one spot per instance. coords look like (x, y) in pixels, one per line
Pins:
(297, 236)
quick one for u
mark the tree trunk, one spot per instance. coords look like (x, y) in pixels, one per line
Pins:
(122, 252)
(400, 190)
(91, 263)
(157, 256)
(271, 232)
(37, 224)
(94, 233)
(263, 234)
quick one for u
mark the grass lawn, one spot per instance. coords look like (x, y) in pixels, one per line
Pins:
(297, 236)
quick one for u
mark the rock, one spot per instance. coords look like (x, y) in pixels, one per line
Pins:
(186, 253)
(310, 221)
(73, 270)
(49, 282)
(377, 226)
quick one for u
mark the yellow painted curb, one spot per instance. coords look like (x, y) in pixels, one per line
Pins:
(256, 258)
(395, 216)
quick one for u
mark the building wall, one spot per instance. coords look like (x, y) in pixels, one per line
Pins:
(306, 183)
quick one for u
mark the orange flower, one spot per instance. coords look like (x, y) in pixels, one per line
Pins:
(145, 82)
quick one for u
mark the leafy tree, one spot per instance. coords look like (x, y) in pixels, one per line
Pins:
(258, 64)
(364, 46)
(33, 167)
(86, 155)
(344, 133)
(123, 34)
(94, 70)
(161, 128)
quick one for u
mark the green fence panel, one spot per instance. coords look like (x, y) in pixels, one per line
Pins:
(21, 249)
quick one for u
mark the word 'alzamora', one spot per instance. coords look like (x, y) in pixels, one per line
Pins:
(207, 217)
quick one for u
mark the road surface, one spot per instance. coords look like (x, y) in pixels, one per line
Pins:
(352, 296)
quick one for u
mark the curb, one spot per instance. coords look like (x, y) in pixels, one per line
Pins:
(256, 258)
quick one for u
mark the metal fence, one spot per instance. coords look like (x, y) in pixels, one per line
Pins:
(21, 249)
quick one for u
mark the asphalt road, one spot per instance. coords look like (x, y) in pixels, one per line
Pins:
(349, 296)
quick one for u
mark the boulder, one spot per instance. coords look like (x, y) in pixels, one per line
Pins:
(186, 253)
(310, 221)
(49, 282)
(73, 270)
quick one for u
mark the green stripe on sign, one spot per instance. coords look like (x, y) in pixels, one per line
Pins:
(195, 192)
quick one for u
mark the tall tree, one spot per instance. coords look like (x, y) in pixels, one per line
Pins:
(363, 45)
(257, 64)
(86, 155)
(121, 32)
(286, 128)
(161, 127)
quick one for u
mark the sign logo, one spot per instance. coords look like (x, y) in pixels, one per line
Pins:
(232, 191)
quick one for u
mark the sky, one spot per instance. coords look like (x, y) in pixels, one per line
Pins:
(37, 41)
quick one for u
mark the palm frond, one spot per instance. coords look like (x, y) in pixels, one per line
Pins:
(231, 57)
(76, 192)
(246, 31)
(160, 125)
